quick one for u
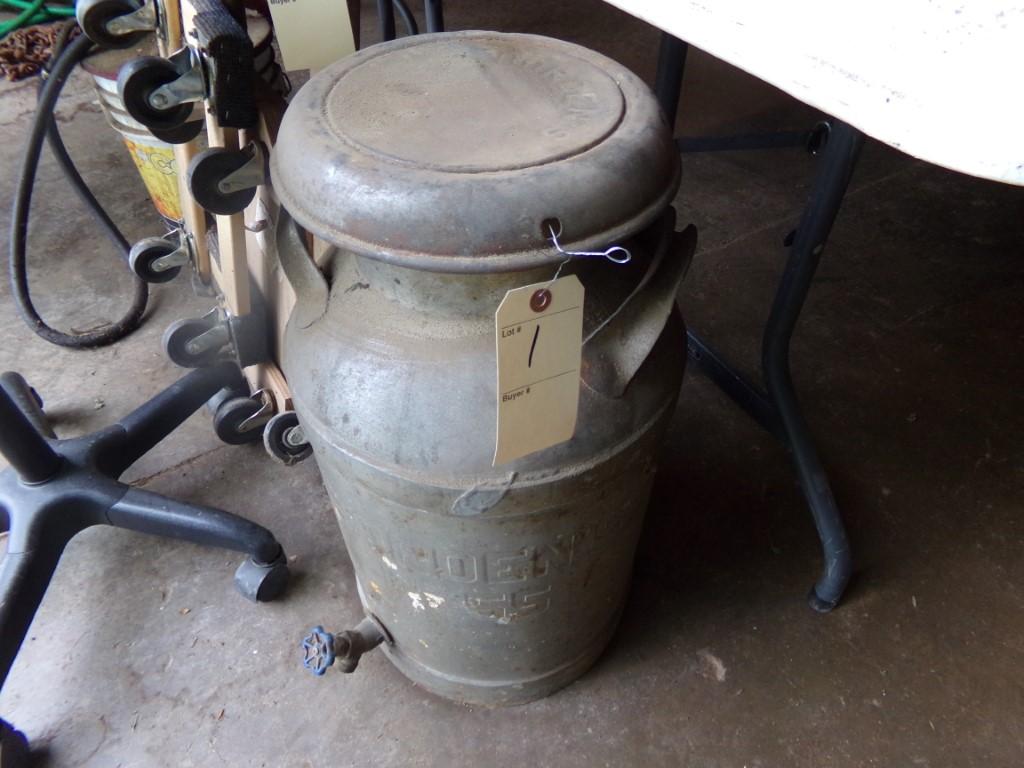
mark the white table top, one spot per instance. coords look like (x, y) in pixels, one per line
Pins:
(942, 80)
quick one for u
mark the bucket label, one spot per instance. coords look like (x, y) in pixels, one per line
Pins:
(539, 337)
(159, 172)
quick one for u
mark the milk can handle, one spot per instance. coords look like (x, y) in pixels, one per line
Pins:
(311, 289)
(619, 345)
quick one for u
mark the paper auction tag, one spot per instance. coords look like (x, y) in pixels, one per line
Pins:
(539, 335)
(312, 33)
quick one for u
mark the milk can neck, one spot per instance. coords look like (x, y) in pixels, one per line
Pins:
(469, 295)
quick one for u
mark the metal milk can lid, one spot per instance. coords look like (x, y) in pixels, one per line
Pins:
(454, 152)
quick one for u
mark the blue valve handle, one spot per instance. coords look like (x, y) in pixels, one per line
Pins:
(318, 650)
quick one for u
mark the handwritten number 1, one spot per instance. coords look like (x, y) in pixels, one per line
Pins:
(533, 346)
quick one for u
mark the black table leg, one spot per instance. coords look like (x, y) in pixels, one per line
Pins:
(669, 81)
(386, 17)
(434, 11)
(833, 176)
(776, 408)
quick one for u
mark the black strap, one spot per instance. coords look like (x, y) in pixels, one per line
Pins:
(229, 59)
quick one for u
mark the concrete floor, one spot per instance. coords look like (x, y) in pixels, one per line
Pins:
(909, 363)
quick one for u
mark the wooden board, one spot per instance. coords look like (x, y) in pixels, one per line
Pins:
(193, 217)
(242, 265)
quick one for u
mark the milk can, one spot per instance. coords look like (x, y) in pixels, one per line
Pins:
(444, 171)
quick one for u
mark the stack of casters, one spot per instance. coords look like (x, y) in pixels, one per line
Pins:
(55, 488)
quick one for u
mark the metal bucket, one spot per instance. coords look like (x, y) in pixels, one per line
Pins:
(491, 585)
(153, 158)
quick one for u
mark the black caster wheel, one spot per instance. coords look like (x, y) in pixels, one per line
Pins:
(181, 134)
(179, 334)
(136, 82)
(230, 416)
(221, 397)
(14, 752)
(278, 439)
(145, 252)
(93, 16)
(205, 173)
(262, 583)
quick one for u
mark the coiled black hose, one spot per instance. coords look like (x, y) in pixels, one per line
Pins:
(45, 127)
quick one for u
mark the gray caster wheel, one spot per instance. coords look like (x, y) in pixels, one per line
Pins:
(205, 174)
(136, 82)
(284, 440)
(94, 15)
(229, 422)
(144, 253)
(177, 337)
(14, 752)
(262, 583)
